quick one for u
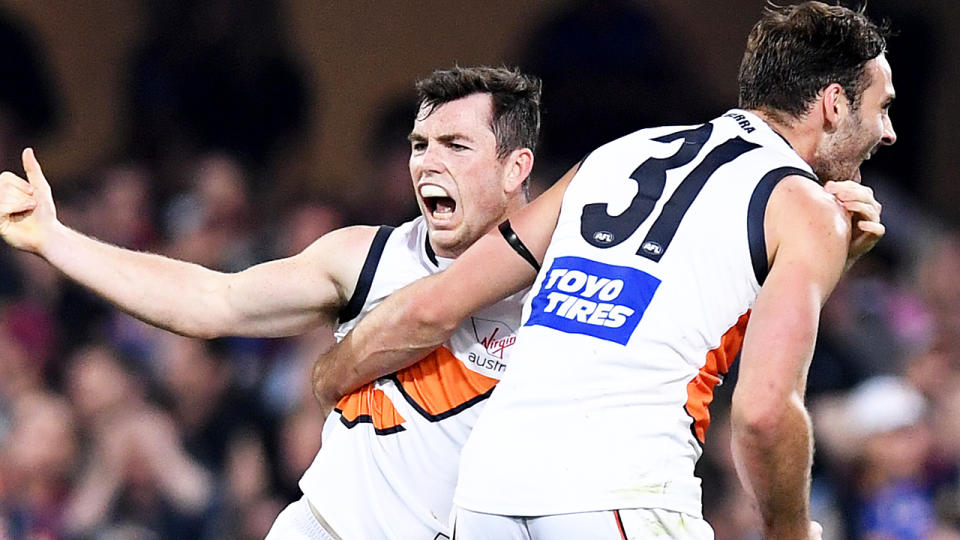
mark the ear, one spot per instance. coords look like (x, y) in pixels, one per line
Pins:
(835, 106)
(517, 167)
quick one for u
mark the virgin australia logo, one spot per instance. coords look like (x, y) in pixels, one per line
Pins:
(494, 336)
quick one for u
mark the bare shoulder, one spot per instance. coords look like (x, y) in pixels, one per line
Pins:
(800, 210)
(347, 239)
(340, 254)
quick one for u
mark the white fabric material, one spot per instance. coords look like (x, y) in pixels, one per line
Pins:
(636, 523)
(592, 414)
(297, 522)
(399, 485)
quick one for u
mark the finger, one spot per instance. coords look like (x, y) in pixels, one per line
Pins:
(832, 186)
(872, 227)
(32, 167)
(841, 186)
(14, 196)
(860, 198)
(7, 178)
(862, 210)
(848, 190)
(816, 530)
(16, 204)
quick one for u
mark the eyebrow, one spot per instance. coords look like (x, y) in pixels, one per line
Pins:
(445, 138)
(448, 138)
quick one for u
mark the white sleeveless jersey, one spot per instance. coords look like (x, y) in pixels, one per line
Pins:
(388, 464)
(638, 312)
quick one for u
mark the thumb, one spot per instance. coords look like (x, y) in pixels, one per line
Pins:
(32, 167)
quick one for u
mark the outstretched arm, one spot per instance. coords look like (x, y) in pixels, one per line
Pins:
(420, 317)
(276, 298)
(808, 235)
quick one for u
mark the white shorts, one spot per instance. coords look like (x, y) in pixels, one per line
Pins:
(630, 524)
(299, 522)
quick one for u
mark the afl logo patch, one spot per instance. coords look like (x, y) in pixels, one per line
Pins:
(652, 248)
(603, 237)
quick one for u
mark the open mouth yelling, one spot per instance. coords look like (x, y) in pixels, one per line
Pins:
(437, 201)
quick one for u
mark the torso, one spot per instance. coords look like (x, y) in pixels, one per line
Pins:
(639, 310)
(390, 454)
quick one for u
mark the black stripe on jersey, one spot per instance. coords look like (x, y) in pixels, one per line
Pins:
(511, 237)
(755, 212)
(367, 419)
(429, 249)
(580, 163)
(360, 292)
(445, 414)
(662, 231)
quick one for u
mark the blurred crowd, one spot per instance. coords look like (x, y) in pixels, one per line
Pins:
(111, 429)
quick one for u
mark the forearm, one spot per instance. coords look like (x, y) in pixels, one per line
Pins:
(164, 292)
(404, 329)
(417, 319)
(773, 457)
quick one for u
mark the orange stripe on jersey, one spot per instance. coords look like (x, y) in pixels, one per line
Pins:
(369, 405)
(440, 386)
(700, 389)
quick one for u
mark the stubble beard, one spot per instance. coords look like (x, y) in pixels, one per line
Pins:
(844, 152)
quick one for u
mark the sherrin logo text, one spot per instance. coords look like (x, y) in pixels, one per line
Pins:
(587, 297)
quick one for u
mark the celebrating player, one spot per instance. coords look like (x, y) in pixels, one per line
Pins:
(653, 262)
(388, 465)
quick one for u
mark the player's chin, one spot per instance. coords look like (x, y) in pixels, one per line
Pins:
(445, 239)
(442, 224)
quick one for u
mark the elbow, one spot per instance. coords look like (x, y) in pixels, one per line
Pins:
(326, 393)
(762, 421)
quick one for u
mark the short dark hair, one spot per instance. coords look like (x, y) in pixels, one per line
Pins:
(794, 52)
(515, 95)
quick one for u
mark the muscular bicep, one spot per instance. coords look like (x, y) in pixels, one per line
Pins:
(289, 296)
(807, 236)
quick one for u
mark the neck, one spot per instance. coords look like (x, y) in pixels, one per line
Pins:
(801, 133)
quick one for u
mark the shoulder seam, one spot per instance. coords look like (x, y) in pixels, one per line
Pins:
(365, 279)
(756, 210)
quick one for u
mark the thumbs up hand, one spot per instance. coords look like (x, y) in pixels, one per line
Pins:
(27, 212)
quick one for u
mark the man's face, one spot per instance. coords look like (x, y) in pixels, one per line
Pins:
(459, 181)
(862, 132)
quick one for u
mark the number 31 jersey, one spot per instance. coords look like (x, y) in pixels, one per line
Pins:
(638, 311)
(388, 465)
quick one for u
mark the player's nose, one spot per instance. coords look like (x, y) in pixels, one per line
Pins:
(889, 135)
(431, 159)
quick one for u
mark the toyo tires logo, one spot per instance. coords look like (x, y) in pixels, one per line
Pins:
(581, 296)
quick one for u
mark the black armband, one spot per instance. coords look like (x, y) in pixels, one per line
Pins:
(511, 237)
